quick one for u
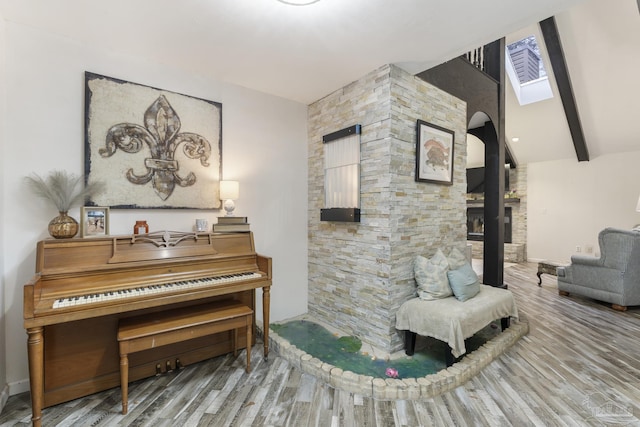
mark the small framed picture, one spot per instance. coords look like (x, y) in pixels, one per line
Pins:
(95, 221)
(434, 153)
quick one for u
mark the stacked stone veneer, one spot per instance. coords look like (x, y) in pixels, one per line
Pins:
(360, 273)
(518, 181)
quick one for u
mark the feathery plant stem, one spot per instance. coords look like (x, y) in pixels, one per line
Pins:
(63, 189)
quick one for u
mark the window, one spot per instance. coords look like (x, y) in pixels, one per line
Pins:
(526, 71)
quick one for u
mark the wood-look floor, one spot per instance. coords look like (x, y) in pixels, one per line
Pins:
(579, 365)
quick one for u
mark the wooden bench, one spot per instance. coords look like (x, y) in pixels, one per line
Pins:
(158, 329)
(547, 267)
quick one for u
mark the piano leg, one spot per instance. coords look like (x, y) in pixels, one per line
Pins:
(266, 302)
(124, 381)
(35, 350)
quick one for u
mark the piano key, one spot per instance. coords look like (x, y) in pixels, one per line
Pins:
(151, 289)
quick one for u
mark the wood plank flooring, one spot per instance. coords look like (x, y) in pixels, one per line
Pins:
(579, 366)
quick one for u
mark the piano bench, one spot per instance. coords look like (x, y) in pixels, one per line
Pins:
(168, 327)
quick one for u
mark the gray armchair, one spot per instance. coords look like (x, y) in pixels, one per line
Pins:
(612, 278)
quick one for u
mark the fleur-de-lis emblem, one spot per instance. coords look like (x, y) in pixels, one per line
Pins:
(161, 134)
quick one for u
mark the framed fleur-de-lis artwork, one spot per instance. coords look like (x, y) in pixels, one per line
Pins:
(151, 148)
(434, 153)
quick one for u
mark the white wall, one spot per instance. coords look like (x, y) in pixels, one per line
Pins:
(4, 391)
(264, 147)
(569, 202)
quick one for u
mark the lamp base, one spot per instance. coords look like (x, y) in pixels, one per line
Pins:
(229, 206)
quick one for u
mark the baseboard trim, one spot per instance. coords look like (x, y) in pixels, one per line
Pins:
(18, 387)
(4, 396)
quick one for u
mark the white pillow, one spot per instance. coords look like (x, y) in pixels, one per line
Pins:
(456, 259)
(431, 276)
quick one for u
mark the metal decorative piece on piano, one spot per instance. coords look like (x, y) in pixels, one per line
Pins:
(83, 287)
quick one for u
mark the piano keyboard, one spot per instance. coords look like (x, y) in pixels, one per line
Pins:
(152, 289)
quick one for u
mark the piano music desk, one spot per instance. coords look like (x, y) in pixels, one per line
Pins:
(168, 327)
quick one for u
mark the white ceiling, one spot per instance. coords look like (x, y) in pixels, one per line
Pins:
(601, 43)
(305, 53)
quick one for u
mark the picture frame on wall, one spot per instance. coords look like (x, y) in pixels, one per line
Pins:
(95, 221)
(434, 153)
(153, 148)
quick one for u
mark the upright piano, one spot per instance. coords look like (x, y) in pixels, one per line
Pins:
(83, 287)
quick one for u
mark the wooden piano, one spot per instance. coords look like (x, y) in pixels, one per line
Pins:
(83, 287)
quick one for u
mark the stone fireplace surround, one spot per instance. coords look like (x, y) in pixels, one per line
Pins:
(516, 250)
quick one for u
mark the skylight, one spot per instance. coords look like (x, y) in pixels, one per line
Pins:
(526, 71)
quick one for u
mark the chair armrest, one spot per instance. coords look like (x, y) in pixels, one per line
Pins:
(586, 260)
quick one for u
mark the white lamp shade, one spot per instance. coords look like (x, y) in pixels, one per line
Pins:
(638, 205)
(229, 190)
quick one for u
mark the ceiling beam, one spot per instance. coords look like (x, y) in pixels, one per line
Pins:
(563, 80)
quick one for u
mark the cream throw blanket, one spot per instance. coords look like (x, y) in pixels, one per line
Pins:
(452, 321)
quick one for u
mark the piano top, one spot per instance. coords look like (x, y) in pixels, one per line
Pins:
(72, 256)
(68, 267)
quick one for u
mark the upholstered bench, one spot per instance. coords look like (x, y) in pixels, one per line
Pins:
(173, 326)
(451, 320)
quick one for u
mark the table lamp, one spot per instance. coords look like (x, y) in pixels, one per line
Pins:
(229, 191)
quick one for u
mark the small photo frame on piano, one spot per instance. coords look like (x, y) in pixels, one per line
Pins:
(95, 221)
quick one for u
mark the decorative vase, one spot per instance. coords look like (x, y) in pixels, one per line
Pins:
(63, 226)
(141, 227)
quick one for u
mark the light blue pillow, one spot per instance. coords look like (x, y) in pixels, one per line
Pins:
(464, 282)
(431, 276)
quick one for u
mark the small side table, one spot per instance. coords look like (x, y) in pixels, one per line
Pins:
(547, 267)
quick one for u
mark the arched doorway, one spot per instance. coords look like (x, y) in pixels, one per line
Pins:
(481, 127)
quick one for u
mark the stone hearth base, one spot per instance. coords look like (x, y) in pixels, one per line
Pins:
(408, 388)
(513, 252)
